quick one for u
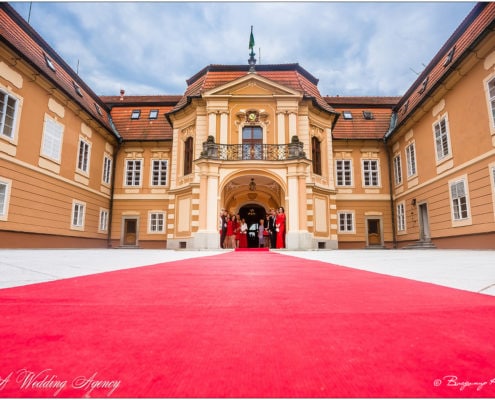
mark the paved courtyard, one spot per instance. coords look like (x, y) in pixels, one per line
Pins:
(469, 270)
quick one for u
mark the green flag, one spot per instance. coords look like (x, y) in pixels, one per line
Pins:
(251, 39)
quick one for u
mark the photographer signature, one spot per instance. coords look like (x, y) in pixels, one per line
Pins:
(454, 381)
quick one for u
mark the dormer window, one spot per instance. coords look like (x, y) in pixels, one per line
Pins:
(423, 85)
(135, 114)
(49, 63)
(153, 114)
(406, 106)
(77, 89)
(449, 57)
(367, 115)
(347, 115)
(98, 110)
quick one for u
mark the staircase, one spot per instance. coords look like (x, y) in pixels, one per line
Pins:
(420, 245)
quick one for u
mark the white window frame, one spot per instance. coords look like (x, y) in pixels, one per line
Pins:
(53, 138)
(373, 173)
(156, 222)
(106, 177)
(442, 140)
(397, 161)
(6, 185)
(492, 182)
(346, 214)
(133, 172)
(412, 169)
(401, 217)
(161, 174)
(4, 113)
(83, 156)
(457, 205)
(103, 220)
(342, 170)
(78, 215)
(490, 101)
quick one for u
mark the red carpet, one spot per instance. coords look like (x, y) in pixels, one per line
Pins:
(245, 324)
(252, 249)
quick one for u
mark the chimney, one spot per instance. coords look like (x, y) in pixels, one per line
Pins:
(122, 92)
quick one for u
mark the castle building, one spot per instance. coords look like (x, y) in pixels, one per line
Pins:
(82, 170)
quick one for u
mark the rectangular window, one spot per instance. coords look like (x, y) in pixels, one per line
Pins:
(103, 224)
(491, 100)
(346, 222)
(52, 139)
(153, 114)
(4, 188)
(8, 111)
(343, 169)
(78, 214)
(157, 222)
(411, 160)
(371, 173)
(135, 114)
(107, 169)
(459, 200)
(133, 173)
(397, 170)
(83, 156)
(159, 173)
(401, 217)
(442, 139)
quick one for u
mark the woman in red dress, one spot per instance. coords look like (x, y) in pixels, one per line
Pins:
(243, 238)
(280, 226)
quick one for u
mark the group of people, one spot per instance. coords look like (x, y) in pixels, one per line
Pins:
(234, 230)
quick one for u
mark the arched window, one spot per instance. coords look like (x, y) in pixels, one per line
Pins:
(316, 155)
(188, 155)
(252, 143)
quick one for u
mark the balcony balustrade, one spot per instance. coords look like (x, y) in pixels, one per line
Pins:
(263, 152)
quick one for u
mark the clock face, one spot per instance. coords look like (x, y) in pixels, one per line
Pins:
(252, 116)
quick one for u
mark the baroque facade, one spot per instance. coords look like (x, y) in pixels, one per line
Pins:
(82, 170)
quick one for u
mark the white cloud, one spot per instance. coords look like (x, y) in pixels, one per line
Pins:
(152, 48)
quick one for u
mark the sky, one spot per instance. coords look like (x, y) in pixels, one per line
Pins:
(152, 48)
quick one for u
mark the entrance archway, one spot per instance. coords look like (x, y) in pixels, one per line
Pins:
(252, 213)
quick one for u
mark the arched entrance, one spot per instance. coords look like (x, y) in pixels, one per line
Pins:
(252, 213)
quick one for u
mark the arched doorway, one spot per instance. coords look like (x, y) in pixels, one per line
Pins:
(252, 213)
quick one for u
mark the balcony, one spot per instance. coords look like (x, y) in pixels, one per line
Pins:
(261, 152)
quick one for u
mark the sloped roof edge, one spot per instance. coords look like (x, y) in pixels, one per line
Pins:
(45, 47)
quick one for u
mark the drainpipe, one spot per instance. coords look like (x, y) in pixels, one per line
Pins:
(393, 120)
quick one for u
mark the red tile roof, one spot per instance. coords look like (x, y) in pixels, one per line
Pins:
(359, 127)
(479, 22)
(25, 41)
(370, 102)
(143, 128)
(291, 75)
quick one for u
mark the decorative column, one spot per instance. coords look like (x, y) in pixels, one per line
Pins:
(207, 236)
(224, 120)
(280, 127)
(292, 124)
(297, 237)
(212, 124)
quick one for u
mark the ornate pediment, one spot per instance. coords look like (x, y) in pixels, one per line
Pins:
(252, 85)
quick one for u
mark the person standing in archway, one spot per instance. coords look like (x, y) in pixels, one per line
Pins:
(272, 228)
(243, 243)
(280, 227)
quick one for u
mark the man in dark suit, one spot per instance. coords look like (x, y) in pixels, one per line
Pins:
(223, 227)
(271, 228)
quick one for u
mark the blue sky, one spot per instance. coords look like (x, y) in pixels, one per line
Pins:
(149, 48)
